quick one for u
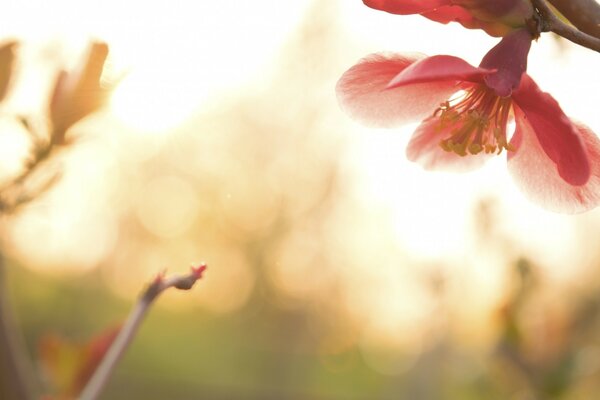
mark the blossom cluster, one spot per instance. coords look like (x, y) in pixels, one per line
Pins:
(465, 111)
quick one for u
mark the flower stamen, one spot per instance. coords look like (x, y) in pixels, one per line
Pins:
(476, 123)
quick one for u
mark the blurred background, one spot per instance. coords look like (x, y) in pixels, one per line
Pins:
(337, 269)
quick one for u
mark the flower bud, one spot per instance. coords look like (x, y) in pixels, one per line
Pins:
(6, 65)
(78, 94)
(499, 17)
(496, 17)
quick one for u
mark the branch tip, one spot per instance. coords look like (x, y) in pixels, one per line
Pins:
(198, 270)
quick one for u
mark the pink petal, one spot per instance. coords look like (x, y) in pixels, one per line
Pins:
(537, 176)
(424, 149)
(466, 18)
(558, 137)
(405, 7)
(362, 92)
(439, 68)
(509, 58)
(450, 14)
(493, 8)
(510, 13)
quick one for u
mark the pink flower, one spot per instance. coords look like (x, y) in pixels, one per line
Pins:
(496, 17)
(465, 111)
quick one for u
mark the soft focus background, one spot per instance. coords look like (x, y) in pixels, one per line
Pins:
(337, 269)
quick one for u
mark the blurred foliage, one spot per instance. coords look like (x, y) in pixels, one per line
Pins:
(265, 351)
(69, 366)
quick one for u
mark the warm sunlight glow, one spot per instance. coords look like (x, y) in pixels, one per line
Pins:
(170, 57)
(13, 147)
(73, 229)
(167, 206)
(429, 210)
(191, 58)
(154, 107)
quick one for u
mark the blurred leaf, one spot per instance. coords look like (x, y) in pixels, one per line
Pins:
(70, 365)
(6, 65)
(78, 94)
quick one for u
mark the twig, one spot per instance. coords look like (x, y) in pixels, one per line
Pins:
(98, 380)
(584, 14)
(14, 193)
(551, 23)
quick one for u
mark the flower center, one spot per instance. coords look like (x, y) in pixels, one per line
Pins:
(476, 123)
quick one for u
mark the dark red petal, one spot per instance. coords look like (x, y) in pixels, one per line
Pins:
(556, 134)
(439, 68)
(536, 174)
(362, 92)
(478, 15)
(510, 13)
(424, 149)
(464, 17)
(494, 8)
(405, 7)
(449, 13)
(509, 59)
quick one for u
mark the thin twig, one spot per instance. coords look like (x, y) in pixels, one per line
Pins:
(551, 23)
(14, 193)
(117, 349)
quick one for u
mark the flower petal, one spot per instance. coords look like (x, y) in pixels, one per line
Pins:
(452, 13)
(536, 174)
(439, 68)
(509, 58)
(466, 18)
(557, 135)
(424, 149)
(510, 13)
(493, 8)
(362, 92)
(496, 17)
(405, 7)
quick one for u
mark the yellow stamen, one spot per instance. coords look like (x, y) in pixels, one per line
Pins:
(475, 124)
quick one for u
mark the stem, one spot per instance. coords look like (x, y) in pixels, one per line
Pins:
(94, 387)
(584, 14)
(551, 23)
(15, 370)
(117, 349)
(14, 194)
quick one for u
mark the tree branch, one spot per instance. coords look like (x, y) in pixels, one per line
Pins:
(117, 349)
(584, 14)
(551, 23)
